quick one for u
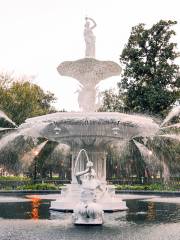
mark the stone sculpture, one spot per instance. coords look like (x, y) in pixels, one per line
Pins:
(88, 211)
(89, 38)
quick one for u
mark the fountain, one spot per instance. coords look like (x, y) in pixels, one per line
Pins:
(90, 130)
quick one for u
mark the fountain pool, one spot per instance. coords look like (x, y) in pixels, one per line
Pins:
(29, 217)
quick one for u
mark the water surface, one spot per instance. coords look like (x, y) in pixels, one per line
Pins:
(30, 219)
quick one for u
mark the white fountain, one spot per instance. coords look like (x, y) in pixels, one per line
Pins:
(91, 130)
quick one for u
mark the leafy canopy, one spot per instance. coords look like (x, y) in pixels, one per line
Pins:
(112, 102)
(21, 99)
(151, 79)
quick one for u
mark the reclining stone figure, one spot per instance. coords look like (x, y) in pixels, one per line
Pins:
(88, 211)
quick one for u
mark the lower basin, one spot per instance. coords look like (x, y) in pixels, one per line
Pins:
(147, 218)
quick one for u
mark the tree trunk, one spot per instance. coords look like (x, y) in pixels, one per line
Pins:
(166, 173)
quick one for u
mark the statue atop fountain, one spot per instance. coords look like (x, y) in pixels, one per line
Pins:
(88, 211)
(90, 39)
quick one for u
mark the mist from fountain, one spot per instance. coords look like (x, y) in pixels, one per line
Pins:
(28, 157)
(173, 113)
(5, 121)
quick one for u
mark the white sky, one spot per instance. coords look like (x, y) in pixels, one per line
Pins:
(37, 35)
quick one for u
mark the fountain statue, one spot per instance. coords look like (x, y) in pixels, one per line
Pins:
(88, 211)
(89, 38)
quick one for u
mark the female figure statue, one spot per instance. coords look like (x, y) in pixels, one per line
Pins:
(89, 37)
(88, 211)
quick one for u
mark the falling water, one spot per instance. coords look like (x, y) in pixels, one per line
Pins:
(147, 154)
(175, 137)
(174, 112)
(4, 117)
(28, 157)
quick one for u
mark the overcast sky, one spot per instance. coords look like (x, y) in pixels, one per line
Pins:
(37, 35)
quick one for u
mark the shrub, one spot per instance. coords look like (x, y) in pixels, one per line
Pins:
(39, 186)
(150, 187)
(14, 178)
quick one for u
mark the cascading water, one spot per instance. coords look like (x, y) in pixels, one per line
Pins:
(5, 121)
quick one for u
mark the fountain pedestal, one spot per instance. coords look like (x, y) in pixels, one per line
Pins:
(70, 197)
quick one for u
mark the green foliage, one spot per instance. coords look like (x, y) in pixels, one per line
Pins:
(39, 186)
(150, 187)
(150, 80)
(112, 102)
(14, 178)
(6, 188)
(21, 99)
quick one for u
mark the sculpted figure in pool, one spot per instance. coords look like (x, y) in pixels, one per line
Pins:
(88, 211)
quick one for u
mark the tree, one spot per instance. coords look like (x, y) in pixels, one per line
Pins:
(151, 80)
(112, 102)
(21, 99)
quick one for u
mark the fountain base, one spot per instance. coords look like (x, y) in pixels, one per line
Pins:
(70, 196)
(88, 221)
